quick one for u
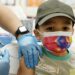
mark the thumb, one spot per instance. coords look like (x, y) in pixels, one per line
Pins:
(40, 50)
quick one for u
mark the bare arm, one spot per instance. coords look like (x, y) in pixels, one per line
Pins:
(8, 20)
(23, 70)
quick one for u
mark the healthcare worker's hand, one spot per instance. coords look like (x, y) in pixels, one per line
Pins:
(30, 50)
(4, 63)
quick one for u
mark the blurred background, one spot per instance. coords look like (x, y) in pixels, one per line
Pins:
(26, 12)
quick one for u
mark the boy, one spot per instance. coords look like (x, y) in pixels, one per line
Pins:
(54, 28)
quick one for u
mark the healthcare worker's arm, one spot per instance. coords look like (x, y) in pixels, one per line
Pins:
(4, 63)
(8, 20)
(28, 46)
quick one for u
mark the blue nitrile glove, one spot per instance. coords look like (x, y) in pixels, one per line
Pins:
(29, 48)
(4, 63)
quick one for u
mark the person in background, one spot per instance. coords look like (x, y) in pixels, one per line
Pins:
(54, 28)
(12, 24)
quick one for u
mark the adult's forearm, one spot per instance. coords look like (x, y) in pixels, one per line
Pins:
(8, 20)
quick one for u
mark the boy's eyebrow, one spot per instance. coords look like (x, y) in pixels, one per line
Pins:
(68, 22)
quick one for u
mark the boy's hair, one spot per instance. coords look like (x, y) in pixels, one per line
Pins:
(53, 8)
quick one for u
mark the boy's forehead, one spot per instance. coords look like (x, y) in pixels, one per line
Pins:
(58, 18)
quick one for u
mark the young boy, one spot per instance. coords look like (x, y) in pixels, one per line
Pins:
(54, 28)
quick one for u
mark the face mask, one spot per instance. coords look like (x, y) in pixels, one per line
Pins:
(57, 43)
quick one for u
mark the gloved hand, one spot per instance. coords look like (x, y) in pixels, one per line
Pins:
(4, 63)
(30, 50)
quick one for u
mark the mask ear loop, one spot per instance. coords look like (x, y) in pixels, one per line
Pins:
(39, 42)
(40, 32)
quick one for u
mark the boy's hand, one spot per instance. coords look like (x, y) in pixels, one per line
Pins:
(29, 48)
(4, 63)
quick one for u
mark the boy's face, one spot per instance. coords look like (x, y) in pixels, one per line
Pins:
(59, 23)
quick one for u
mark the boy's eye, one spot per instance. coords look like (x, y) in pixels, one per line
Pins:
(49, 29)
(65, 28)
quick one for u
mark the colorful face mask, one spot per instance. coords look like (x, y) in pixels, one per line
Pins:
(57, 42)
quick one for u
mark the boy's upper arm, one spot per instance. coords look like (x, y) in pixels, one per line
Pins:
(24, 70)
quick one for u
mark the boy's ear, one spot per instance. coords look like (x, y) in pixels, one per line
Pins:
(37, 35)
